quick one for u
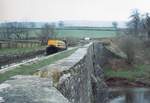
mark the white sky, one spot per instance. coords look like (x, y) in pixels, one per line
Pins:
(50, 10)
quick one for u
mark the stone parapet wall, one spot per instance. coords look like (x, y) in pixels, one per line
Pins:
(30, 89)
(80, 76)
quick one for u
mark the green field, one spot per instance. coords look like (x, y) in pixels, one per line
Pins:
(79, 32)
(86, 33)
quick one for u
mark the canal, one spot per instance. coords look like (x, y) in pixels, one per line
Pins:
(129, 95)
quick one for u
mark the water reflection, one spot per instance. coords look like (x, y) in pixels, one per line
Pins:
(129, 95)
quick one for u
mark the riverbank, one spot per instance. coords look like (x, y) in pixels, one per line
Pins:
(137, 76)
(131, 70)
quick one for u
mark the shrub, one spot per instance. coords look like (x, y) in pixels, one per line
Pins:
(129, 44)
(72, 41)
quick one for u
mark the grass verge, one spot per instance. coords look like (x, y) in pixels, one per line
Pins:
(6, 51)
(30, 69)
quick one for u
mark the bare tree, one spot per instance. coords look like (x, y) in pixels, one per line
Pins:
(146, 24)
(133, 24)
(115, 25)
(48, 31)
(13, 30)
(61, 24)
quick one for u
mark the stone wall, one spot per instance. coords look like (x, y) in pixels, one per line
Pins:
(30, 89)
(79, 77)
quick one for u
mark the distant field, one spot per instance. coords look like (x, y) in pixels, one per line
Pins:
(88, 28)
(81, 32)
(86, 33)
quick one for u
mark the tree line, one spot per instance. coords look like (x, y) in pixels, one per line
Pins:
(13, 30)
(139, 24)
(21, 30)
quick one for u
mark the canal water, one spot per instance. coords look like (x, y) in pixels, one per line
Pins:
(129, 95)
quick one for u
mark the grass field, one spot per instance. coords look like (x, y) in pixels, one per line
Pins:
(86, 33)
(79, 32)
(30, 69)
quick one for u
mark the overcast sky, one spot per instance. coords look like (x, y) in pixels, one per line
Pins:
(50, 10)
